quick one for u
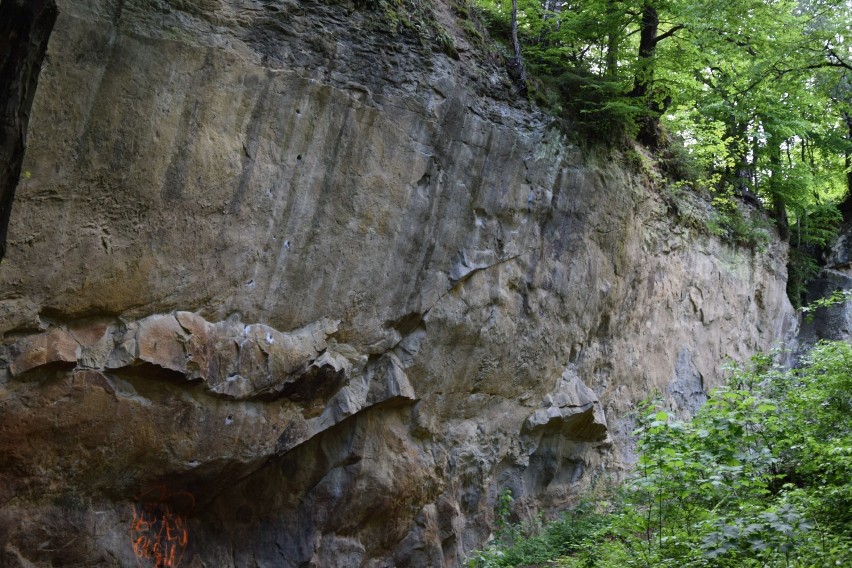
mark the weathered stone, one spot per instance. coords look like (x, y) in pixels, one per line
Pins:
(388, 381)
(366, 275)
(85, 378)
(161, 341)
(125, 351)
(199, 346)
(832, 322)
(96, 339)
(56, 346)
(258, 361)
(18, 313)
(572, 409)
(686, 388)
(319, 382)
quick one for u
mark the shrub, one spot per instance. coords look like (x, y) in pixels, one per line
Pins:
(759, 477)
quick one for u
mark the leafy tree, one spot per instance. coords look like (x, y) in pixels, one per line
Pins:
(518, 62)
(649, 38)
(757, 92)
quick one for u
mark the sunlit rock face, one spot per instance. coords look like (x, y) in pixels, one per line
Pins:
(315, 294)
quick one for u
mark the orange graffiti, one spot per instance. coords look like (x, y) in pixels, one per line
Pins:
(159, 533)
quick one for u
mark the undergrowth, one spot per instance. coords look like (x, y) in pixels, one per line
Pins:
(760, 477)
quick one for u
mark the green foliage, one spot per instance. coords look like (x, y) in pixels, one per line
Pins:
(445, 43)
(816, 225)
(415, 17)
(802, 267)
(812, 230)
(532, 543)
(564, 80)
(728, 222)
(598, 106)
(817, 453)
(679, 165)
(836, 298)
(761, 476)
(504, 509)
(746, 99)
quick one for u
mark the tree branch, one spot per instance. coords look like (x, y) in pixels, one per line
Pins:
(668, 34)
(838, 61)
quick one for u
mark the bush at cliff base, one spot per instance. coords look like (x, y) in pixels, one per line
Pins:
(761, 476)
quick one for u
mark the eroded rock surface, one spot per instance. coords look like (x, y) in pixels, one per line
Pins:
(338, 287)
(834, 321)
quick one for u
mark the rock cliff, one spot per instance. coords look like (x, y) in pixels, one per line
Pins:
(832, 322)
(291, 287)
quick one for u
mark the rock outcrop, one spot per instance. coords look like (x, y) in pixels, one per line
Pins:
(300, 287)
(832, 322)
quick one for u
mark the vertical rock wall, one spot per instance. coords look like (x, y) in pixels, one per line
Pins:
(832, 322)
(316, 293)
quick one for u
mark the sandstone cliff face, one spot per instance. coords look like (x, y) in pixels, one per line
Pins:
(303, 287)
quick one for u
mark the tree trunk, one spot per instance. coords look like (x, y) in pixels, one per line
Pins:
(613, 38)
(649, 125)
(848, 118)
(520, 74)
(647, 49)
(740, 174)
(548, 7)
(779, 205)
(846, 205)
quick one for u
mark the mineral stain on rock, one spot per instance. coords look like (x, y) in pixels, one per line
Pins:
(342, 292)
(158, 530)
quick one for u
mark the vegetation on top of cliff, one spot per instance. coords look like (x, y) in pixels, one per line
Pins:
(415, 17)
(746, 102)
(749, 100)
(760, 477)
